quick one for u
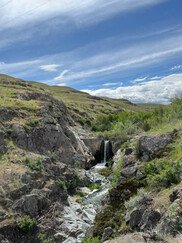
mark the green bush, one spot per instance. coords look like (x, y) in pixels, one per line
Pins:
(128, 122)
(105, 172)
(9, 131)
(94, 186)
(44, 239)
(92, 240)
(25, 223)
(72, 184)
(61, 184)
(81, 121)
(162, 173)
(27, 128)
(178, 225)
(117, 172)
(34, 165)
(32, 123)
(133, 201)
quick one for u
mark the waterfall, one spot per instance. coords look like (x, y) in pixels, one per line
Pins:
(106, 152)
(105, 155)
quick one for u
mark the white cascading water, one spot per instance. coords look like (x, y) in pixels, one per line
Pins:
(105, 157)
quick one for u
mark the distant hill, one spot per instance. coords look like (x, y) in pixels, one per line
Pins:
(81, 104)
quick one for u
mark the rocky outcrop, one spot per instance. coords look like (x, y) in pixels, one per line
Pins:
(53, 136)
(150, 145)
(3, 144)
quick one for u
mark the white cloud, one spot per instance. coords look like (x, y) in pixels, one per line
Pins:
(111, 84)
(153, 91)
(143, 59)
(155, 78)
(61, 75)
(139, 80)
(50, 68)
(81, 12)
(61, 84)
(176, 67)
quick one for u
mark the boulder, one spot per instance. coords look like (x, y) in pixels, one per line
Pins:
(149, 220)
(3, 144)
(148, 145)
(107, 233)
(176, 194)
(129, 160)
(32, 204)
(135, 218)
(140, 175)
(128, 151)
(129, 171)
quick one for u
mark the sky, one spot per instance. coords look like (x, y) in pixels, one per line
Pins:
(129, 49)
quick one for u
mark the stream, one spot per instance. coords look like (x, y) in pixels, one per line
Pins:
(79, 217)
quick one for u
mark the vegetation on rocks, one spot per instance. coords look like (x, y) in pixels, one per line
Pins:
(42, 151)
(25, 223)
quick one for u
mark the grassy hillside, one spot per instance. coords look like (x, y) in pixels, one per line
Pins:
(82, 105)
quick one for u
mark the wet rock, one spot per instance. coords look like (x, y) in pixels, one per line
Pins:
(107, 233)
(148, 145)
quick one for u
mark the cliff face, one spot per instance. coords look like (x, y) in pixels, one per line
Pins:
(40, 150)
(45, 129)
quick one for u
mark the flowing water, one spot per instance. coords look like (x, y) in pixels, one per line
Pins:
(80, 217)
(105, 157)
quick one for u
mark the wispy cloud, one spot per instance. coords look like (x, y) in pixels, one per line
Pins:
(111, 84)
(176, 67)
(87, 12)
(61, 75)
(155, 78)
(139, 80)
(142, 59)
(154, 91)
(50, 68)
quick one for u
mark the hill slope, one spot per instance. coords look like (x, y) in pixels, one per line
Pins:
(81, 104)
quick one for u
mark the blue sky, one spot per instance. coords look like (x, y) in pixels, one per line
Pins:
(117, 48)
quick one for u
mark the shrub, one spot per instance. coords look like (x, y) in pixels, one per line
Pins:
(92, 240)
(44, 239)
(146, 127)
(117, 172)
(178, 225)
(94, 186)
(25, 223)
(162, 173)
(133, 202)
(88, 122)
(105, 172)
(61, 184)
(74, 182)
(81, 121)
(9, 131)
(27, 128)
(172, 211)
(34, 165)
(32, 123)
